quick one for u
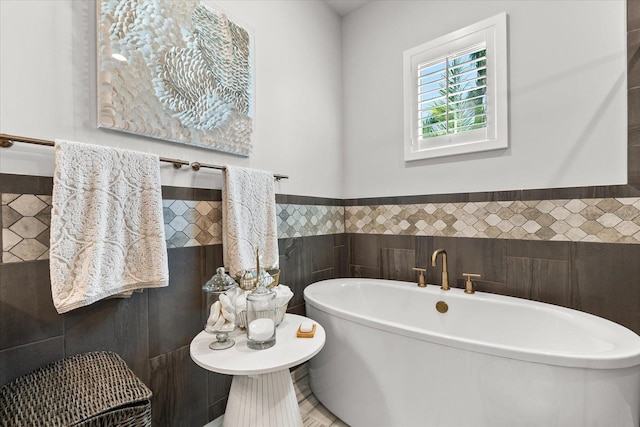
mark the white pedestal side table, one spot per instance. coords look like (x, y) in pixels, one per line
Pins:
(262, 393)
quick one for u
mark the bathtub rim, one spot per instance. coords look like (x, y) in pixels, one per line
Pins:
(622, 356)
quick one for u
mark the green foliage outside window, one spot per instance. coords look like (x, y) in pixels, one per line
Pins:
(453, 98)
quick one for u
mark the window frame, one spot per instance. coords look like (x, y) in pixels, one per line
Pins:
(493, 33)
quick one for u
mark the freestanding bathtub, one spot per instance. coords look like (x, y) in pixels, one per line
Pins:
(391, 359)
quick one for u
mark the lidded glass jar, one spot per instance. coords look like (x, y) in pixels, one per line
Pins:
(261, 318)
(219, 311)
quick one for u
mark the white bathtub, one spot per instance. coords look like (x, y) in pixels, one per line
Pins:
(391, 359)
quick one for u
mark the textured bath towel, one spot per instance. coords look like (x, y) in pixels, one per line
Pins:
(248, 219)
(107, 229)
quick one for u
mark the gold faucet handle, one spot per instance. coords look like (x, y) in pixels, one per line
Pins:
(468, 284)
(422, 281)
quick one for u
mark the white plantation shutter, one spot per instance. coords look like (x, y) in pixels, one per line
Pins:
(452, 93)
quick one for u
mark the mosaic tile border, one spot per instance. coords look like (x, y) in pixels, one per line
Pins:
(25, 227)
(192, 223)
(26, 219)
(605, 220)
(309, 220)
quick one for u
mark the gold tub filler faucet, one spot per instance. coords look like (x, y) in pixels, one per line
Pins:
(445, 272)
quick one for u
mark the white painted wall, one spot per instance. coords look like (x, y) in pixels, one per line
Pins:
(47, 90)
(567, 93)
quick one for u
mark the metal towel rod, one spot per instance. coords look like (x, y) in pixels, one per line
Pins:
(197, 165)
(8, 140)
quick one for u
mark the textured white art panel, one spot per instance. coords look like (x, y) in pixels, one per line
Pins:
(175, 70)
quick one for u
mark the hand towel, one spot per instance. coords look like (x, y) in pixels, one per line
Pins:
(248, 219)
(107, 232)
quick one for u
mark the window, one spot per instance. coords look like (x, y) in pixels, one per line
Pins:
(456, 92)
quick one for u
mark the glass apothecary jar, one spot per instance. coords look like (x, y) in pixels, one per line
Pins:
(219, 312)
(261, 318)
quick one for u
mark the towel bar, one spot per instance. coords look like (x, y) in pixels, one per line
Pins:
(7, 141)
(197, 165)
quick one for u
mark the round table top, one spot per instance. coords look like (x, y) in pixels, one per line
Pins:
(288, 351)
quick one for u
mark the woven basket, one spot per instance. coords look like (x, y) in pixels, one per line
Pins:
(88, 390)
(241, 317)
(248, 282)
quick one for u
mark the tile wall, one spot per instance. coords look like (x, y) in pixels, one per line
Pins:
(597, 278)
(151, 330)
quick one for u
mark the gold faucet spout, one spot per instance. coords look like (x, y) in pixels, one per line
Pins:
(445, 272)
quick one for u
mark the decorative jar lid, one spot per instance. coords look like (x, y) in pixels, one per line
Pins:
(220, 281)
(261, 293)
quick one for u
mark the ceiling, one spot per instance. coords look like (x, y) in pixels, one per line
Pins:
(344, 7)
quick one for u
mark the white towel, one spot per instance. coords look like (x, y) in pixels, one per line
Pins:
(107, 232)
(248, 219)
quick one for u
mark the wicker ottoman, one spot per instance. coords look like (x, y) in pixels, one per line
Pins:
(91, 389)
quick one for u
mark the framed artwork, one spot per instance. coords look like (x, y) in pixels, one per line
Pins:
(176, 70)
